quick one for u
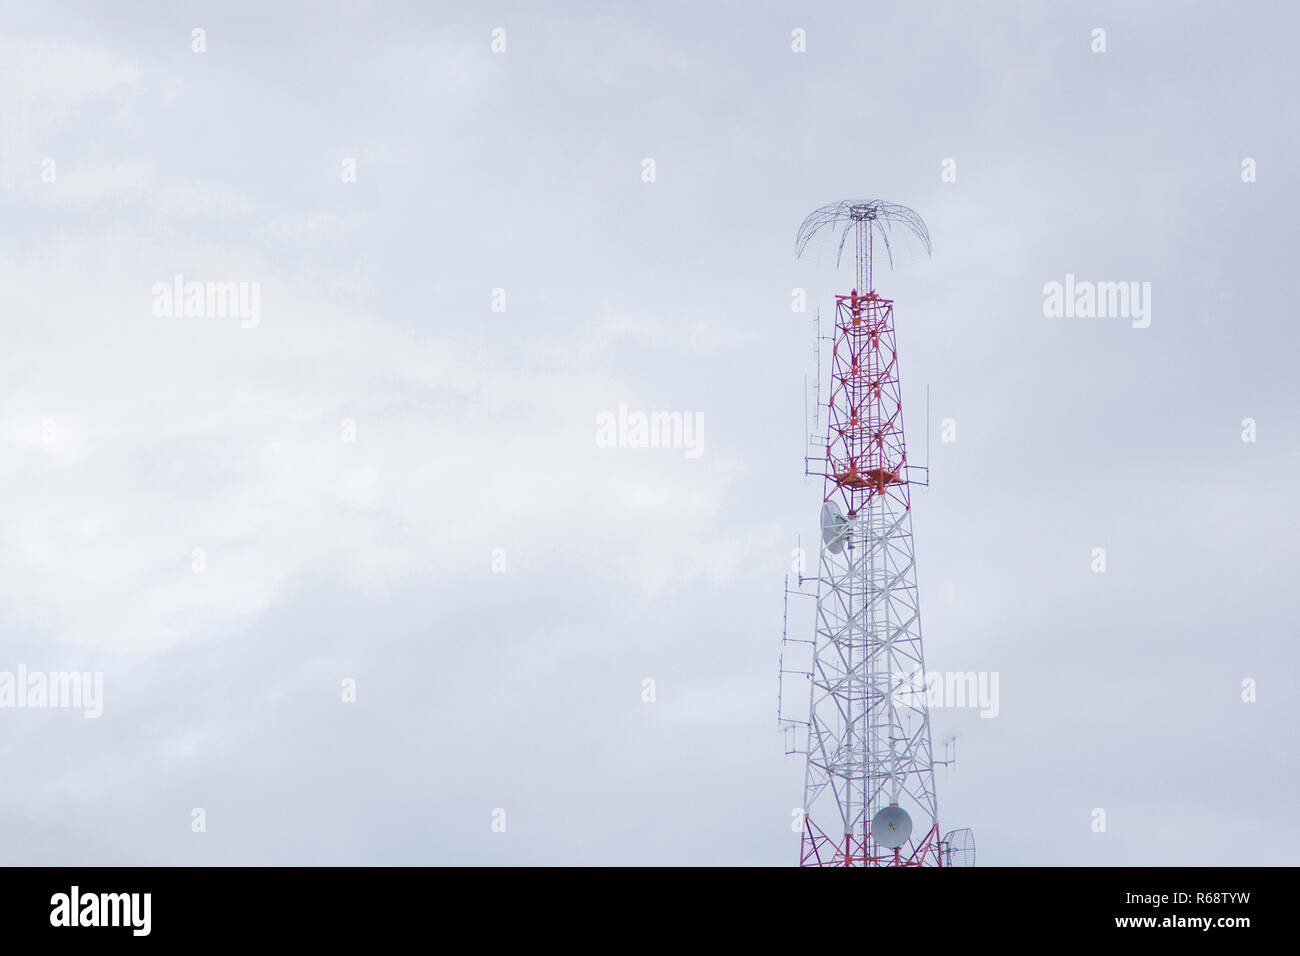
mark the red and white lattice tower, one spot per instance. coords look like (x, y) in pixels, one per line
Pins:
(869, 792)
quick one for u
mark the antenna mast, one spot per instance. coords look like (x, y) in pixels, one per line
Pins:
(869, 793)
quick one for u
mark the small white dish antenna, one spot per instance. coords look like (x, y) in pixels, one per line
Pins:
(834, 527)
(891, 827)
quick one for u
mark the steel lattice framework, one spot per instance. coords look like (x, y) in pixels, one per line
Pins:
(867, 736)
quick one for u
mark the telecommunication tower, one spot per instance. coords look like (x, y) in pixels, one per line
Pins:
(869, 792)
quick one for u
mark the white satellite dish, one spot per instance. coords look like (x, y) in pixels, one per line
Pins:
(958, 848)
(834, 527)
(891, 827)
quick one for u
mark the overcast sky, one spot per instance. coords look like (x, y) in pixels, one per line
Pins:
(130, 439)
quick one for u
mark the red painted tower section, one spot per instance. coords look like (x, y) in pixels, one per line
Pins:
(866, 454)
